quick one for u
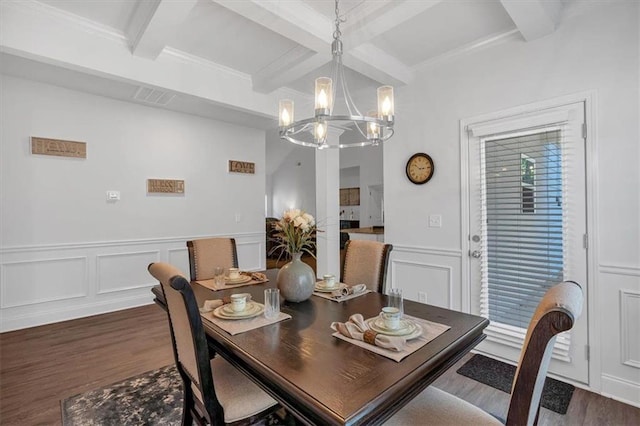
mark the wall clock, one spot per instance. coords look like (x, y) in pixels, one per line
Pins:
(420, 168)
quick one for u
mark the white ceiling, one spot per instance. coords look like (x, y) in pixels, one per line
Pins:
(270, 46)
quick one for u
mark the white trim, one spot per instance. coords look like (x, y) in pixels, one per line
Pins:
(184, 57)
(625, 351)
(78, 21)
(428, 250)
(115, 243)
(621, 390)
(632, 271)
(590, 100)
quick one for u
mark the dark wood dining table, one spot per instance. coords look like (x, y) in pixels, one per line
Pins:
(324, 380)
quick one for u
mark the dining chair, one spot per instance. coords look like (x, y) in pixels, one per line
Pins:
(207, 253)
(557, 311)
(365, 262)
(215, 392)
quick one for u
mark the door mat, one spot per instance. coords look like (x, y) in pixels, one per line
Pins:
(152, 398)
(556, 395)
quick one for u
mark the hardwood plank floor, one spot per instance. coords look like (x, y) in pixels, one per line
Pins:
(42, 365)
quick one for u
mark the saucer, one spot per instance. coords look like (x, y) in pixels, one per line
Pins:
(322, 288)
(240, 280)
(408, 329)
(253, 309)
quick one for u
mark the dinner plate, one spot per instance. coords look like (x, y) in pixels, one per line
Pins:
(322, 288)
(253, 310)
(410, 330)
(240, 280)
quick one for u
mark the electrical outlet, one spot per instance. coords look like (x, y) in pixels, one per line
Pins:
(422, 297)
(238, 217)
(435, 221)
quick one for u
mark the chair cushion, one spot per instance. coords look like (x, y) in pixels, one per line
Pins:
(436, 407)
(238, 395)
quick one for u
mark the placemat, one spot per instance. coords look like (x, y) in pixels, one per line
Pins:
(430, 330)
(340, 299)
(211, 284)
(234, 327)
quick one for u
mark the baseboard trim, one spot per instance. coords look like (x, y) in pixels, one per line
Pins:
(620, 390)
(69, 313)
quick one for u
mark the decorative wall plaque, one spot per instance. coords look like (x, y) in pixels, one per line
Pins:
(242, 167)
(165, 186)
(58, 147)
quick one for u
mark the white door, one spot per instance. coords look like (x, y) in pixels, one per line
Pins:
(527, 222)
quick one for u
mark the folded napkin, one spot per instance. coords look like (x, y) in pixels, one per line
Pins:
(210, 305)
(357, 329)
(349, 290)
(258, 276)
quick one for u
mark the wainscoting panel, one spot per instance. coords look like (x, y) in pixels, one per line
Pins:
(179, 257)
(427, 274)
(619, 305)
(52, 283)
(125, 271)
(30, 282)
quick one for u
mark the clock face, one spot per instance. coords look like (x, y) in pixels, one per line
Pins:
(420, 168)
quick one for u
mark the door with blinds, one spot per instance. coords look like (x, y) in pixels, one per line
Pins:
(527, 214)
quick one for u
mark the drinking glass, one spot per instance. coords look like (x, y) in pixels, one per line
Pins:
(395, 300)
(218, 275)
(271, 303)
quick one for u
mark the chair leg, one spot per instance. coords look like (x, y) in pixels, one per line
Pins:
(188, 404)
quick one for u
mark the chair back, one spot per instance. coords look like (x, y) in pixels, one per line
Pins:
(190, 347)
(366, 262)
(207, 253)
(558, 310)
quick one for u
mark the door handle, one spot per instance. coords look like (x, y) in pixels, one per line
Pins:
(477, 254)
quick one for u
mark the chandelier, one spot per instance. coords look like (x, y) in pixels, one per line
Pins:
(370, 129)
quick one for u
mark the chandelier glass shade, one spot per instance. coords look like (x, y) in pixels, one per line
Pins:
(369, 129)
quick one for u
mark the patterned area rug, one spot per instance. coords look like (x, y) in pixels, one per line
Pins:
(152, 398)
(556, 395)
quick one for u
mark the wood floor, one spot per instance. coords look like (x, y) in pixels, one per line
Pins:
(42, 365)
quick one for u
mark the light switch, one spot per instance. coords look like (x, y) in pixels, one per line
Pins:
(113, 196)
(435, 221)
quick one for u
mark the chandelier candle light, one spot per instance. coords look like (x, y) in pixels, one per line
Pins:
(375, 127)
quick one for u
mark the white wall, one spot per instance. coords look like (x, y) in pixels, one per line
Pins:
(66, 251)
(293, 183)
(595, 51)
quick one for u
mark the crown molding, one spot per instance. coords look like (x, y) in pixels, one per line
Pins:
(200, 61)
(78, 21)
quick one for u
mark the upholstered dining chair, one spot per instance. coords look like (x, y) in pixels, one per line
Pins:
(365, 262)
(207, 253)
(557, 311)
(215, 392)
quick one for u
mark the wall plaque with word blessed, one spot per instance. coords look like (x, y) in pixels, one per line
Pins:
(242, 167)
(58, 147)
(165, 186)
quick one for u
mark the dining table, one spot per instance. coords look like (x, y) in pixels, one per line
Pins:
(324, 380)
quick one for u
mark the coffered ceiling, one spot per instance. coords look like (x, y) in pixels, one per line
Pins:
(242, 55)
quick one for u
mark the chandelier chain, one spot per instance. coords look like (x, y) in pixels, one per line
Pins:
(337, 33)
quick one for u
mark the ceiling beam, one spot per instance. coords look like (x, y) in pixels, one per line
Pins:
(534, 18)
(154, 23)
(363, 30)
(378, 65)
(294, 20)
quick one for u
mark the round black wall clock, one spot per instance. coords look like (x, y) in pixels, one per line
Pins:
(420, 168)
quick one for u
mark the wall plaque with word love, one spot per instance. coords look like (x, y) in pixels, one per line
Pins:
(58, 147)
(165, 186)
(242, 167)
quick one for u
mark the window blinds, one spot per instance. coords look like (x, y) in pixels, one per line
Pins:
(523, 224)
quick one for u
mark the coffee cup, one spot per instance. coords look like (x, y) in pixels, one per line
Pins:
(390, 317)
(329, 280)
(238, 302)
(234, 273)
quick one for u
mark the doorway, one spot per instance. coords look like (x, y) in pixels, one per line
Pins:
(527, 226)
